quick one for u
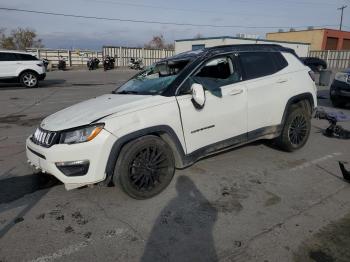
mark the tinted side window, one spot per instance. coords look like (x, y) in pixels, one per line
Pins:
(280, 61)
(7, 57)
(26, 57)
(258, 64)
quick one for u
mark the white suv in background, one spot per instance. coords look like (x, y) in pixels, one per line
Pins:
(21, 67)
(176, 112)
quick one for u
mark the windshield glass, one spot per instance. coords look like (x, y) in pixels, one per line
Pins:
(154, 79)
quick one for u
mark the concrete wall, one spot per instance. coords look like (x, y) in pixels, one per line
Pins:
(186, 44)
(313, 37)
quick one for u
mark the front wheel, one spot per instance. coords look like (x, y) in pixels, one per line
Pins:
(296, 129)
(145, 167)
(29, 79)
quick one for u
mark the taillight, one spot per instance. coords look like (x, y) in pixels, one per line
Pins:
(312, 75)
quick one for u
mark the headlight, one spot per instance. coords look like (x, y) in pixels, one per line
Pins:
(81, 135)
(342, 77)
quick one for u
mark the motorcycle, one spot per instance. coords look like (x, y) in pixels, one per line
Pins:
(108, 63)
(93, 62)
(62, 64)
(45, 62)
(136, 63)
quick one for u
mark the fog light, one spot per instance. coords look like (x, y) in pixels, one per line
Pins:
(74, 168)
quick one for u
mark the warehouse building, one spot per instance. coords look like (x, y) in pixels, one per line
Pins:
(319, 39)
(183, 45)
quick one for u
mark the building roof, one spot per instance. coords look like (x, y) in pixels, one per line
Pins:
(306, 30)
(238, 38)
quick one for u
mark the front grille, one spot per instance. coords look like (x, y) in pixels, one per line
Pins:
(44, 138)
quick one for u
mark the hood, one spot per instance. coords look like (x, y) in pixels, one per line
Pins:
(94, 109)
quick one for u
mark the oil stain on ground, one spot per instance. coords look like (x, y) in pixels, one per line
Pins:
(331, 244)
(20, 120)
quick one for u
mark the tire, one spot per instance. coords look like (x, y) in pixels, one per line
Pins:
(145, 167)
(296, 129)
(29, 79)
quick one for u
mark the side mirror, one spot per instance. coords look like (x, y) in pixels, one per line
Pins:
(198, 95)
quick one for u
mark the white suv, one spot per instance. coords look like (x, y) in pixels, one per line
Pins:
(21, 67)
(175, 112)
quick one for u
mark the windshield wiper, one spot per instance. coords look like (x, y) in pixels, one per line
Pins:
(124, 92)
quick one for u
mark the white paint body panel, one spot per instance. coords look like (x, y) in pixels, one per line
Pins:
(224, 117)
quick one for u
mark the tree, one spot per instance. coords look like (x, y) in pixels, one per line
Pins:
(20, 38)
(158, 42)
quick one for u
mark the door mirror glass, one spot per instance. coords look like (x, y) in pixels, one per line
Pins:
(198, 95)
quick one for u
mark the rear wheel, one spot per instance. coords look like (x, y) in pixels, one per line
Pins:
(29, 79)
(296, 129)
(145, 167)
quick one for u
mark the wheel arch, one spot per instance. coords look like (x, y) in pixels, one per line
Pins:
(166, 133)
(299, 99)
(27, 70)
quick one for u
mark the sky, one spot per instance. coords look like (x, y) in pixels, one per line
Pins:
(67, 32)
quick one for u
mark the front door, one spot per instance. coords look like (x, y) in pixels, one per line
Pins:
(224, 115)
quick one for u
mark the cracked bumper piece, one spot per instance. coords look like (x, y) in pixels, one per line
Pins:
(74, 165)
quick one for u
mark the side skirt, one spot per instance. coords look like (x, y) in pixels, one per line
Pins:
(231, 143)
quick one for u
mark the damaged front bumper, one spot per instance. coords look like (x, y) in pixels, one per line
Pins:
(75, 165)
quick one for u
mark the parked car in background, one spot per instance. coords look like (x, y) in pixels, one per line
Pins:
(316, 64)
(21, 67)
(340, 89)
(173, 113)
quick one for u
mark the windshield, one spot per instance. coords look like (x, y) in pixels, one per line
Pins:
(154, 79)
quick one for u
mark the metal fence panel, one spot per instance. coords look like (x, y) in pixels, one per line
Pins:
(335, 59)
(123, 55)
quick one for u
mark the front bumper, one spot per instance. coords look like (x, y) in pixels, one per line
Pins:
(96, 152)
(340, 89)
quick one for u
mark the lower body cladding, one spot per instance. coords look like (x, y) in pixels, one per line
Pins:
(75, 165)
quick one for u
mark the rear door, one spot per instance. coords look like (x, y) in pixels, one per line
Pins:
(8, 64)
(267, 80)
(224, 115)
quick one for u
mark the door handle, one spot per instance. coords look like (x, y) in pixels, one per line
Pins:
(236, 92)
(281, 81)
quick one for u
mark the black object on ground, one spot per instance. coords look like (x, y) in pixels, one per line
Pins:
(346, 173)
(334, 130)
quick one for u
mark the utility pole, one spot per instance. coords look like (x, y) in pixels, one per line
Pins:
(342, 13)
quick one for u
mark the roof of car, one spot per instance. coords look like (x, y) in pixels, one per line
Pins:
(248, 47)
(228, 48)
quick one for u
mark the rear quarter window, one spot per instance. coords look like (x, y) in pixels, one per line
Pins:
(26, 57)
(260, 64)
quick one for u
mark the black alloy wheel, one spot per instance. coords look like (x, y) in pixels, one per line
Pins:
(145, 167)
(298, 130)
